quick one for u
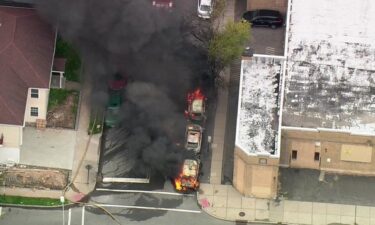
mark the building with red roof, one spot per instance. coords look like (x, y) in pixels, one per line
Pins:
(26, 55)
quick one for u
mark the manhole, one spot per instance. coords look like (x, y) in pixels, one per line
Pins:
(241, 214)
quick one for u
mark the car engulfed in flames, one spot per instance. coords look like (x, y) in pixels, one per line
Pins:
(187, 180)
(196, 106)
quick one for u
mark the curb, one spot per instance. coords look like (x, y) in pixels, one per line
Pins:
(237, 221)
(36, 206)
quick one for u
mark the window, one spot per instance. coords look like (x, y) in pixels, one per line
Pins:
(34, 111)
(34, 93)
(262, 161)
(294, 154)
(317, 156)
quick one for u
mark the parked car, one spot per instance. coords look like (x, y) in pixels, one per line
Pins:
(193, 138)
(205, 8)
(264, 17)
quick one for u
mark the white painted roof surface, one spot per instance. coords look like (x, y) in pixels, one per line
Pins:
(330, 79)
(256, 124)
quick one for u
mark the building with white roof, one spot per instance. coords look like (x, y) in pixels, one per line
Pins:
(314, 107)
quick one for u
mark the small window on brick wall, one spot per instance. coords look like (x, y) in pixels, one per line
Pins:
(34, 93)
(316, 156)
(34, 111)
(294, 154)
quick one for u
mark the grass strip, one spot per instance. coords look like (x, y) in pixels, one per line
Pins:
(19, 200)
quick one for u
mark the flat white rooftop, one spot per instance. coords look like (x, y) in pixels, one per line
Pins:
(257, 120)
(330, 75)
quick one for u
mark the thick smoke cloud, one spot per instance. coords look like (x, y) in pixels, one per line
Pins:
(152, 48)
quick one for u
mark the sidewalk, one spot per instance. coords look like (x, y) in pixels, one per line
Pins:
(86, 153)
(226, 203)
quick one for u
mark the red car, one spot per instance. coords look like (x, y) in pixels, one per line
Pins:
(162, 3)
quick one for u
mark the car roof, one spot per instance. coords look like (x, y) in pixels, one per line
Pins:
(190, 168)
(193, 136)
(206, 2)
(268, 12)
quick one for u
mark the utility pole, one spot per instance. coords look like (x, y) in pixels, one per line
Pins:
(88, 167)
(62, 200)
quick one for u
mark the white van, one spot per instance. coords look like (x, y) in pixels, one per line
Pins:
(205, 8)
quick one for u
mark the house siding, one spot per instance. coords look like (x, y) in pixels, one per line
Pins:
(41, 103)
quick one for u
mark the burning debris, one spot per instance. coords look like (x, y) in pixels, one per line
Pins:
(131, 37)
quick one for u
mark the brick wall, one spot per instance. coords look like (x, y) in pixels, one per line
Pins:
(279, 5)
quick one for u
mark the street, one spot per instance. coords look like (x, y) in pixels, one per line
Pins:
(123, 214)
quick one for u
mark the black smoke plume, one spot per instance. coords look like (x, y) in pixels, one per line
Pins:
(154, 49)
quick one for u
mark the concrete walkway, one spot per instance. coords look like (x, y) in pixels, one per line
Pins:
(86, 151)
(225, 202)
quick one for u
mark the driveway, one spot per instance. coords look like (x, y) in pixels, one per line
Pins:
(48, 148)
(268, 41)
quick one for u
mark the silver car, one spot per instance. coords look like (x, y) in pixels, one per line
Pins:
(194, 138)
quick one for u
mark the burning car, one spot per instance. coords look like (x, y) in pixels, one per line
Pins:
(196, 106)
(116, 87)
(188, 178)
(193, 138)
(163, 3)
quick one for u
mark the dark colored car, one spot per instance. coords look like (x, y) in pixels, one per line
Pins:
(264, 17)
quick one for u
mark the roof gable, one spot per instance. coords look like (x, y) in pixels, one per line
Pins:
(26, 54)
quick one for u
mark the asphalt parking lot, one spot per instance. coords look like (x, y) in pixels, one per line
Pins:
(304, 185)
(268, 41)
(264, 40)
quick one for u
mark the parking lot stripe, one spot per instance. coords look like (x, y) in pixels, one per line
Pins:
(149, 208)
(83, 216)
(69, 216)
(1, 210)
(141, 191)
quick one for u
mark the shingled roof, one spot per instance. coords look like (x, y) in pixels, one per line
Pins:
(26, 55)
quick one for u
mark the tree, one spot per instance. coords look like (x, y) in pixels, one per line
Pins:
(228, 45)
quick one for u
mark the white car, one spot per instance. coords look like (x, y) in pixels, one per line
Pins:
(194, 138)
(205, 8)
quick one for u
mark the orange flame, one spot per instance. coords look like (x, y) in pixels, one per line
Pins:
(178, 183)
(196, 94)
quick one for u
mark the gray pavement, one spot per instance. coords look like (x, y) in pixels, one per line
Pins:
(268, 41)
(93, 216)
(224, 202)
(86, 150)
(304, 185)
(57, 144)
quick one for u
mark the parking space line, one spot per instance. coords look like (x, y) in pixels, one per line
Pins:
(69, 216)
(83, 216)
(149, 208)
(149, 192)
(1, 209)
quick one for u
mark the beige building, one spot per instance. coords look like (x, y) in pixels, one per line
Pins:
(256, 155)
(25, 65)
(326, 113)
(279, 5)
(328, 150)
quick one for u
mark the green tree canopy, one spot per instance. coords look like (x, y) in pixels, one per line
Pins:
(228, 45)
